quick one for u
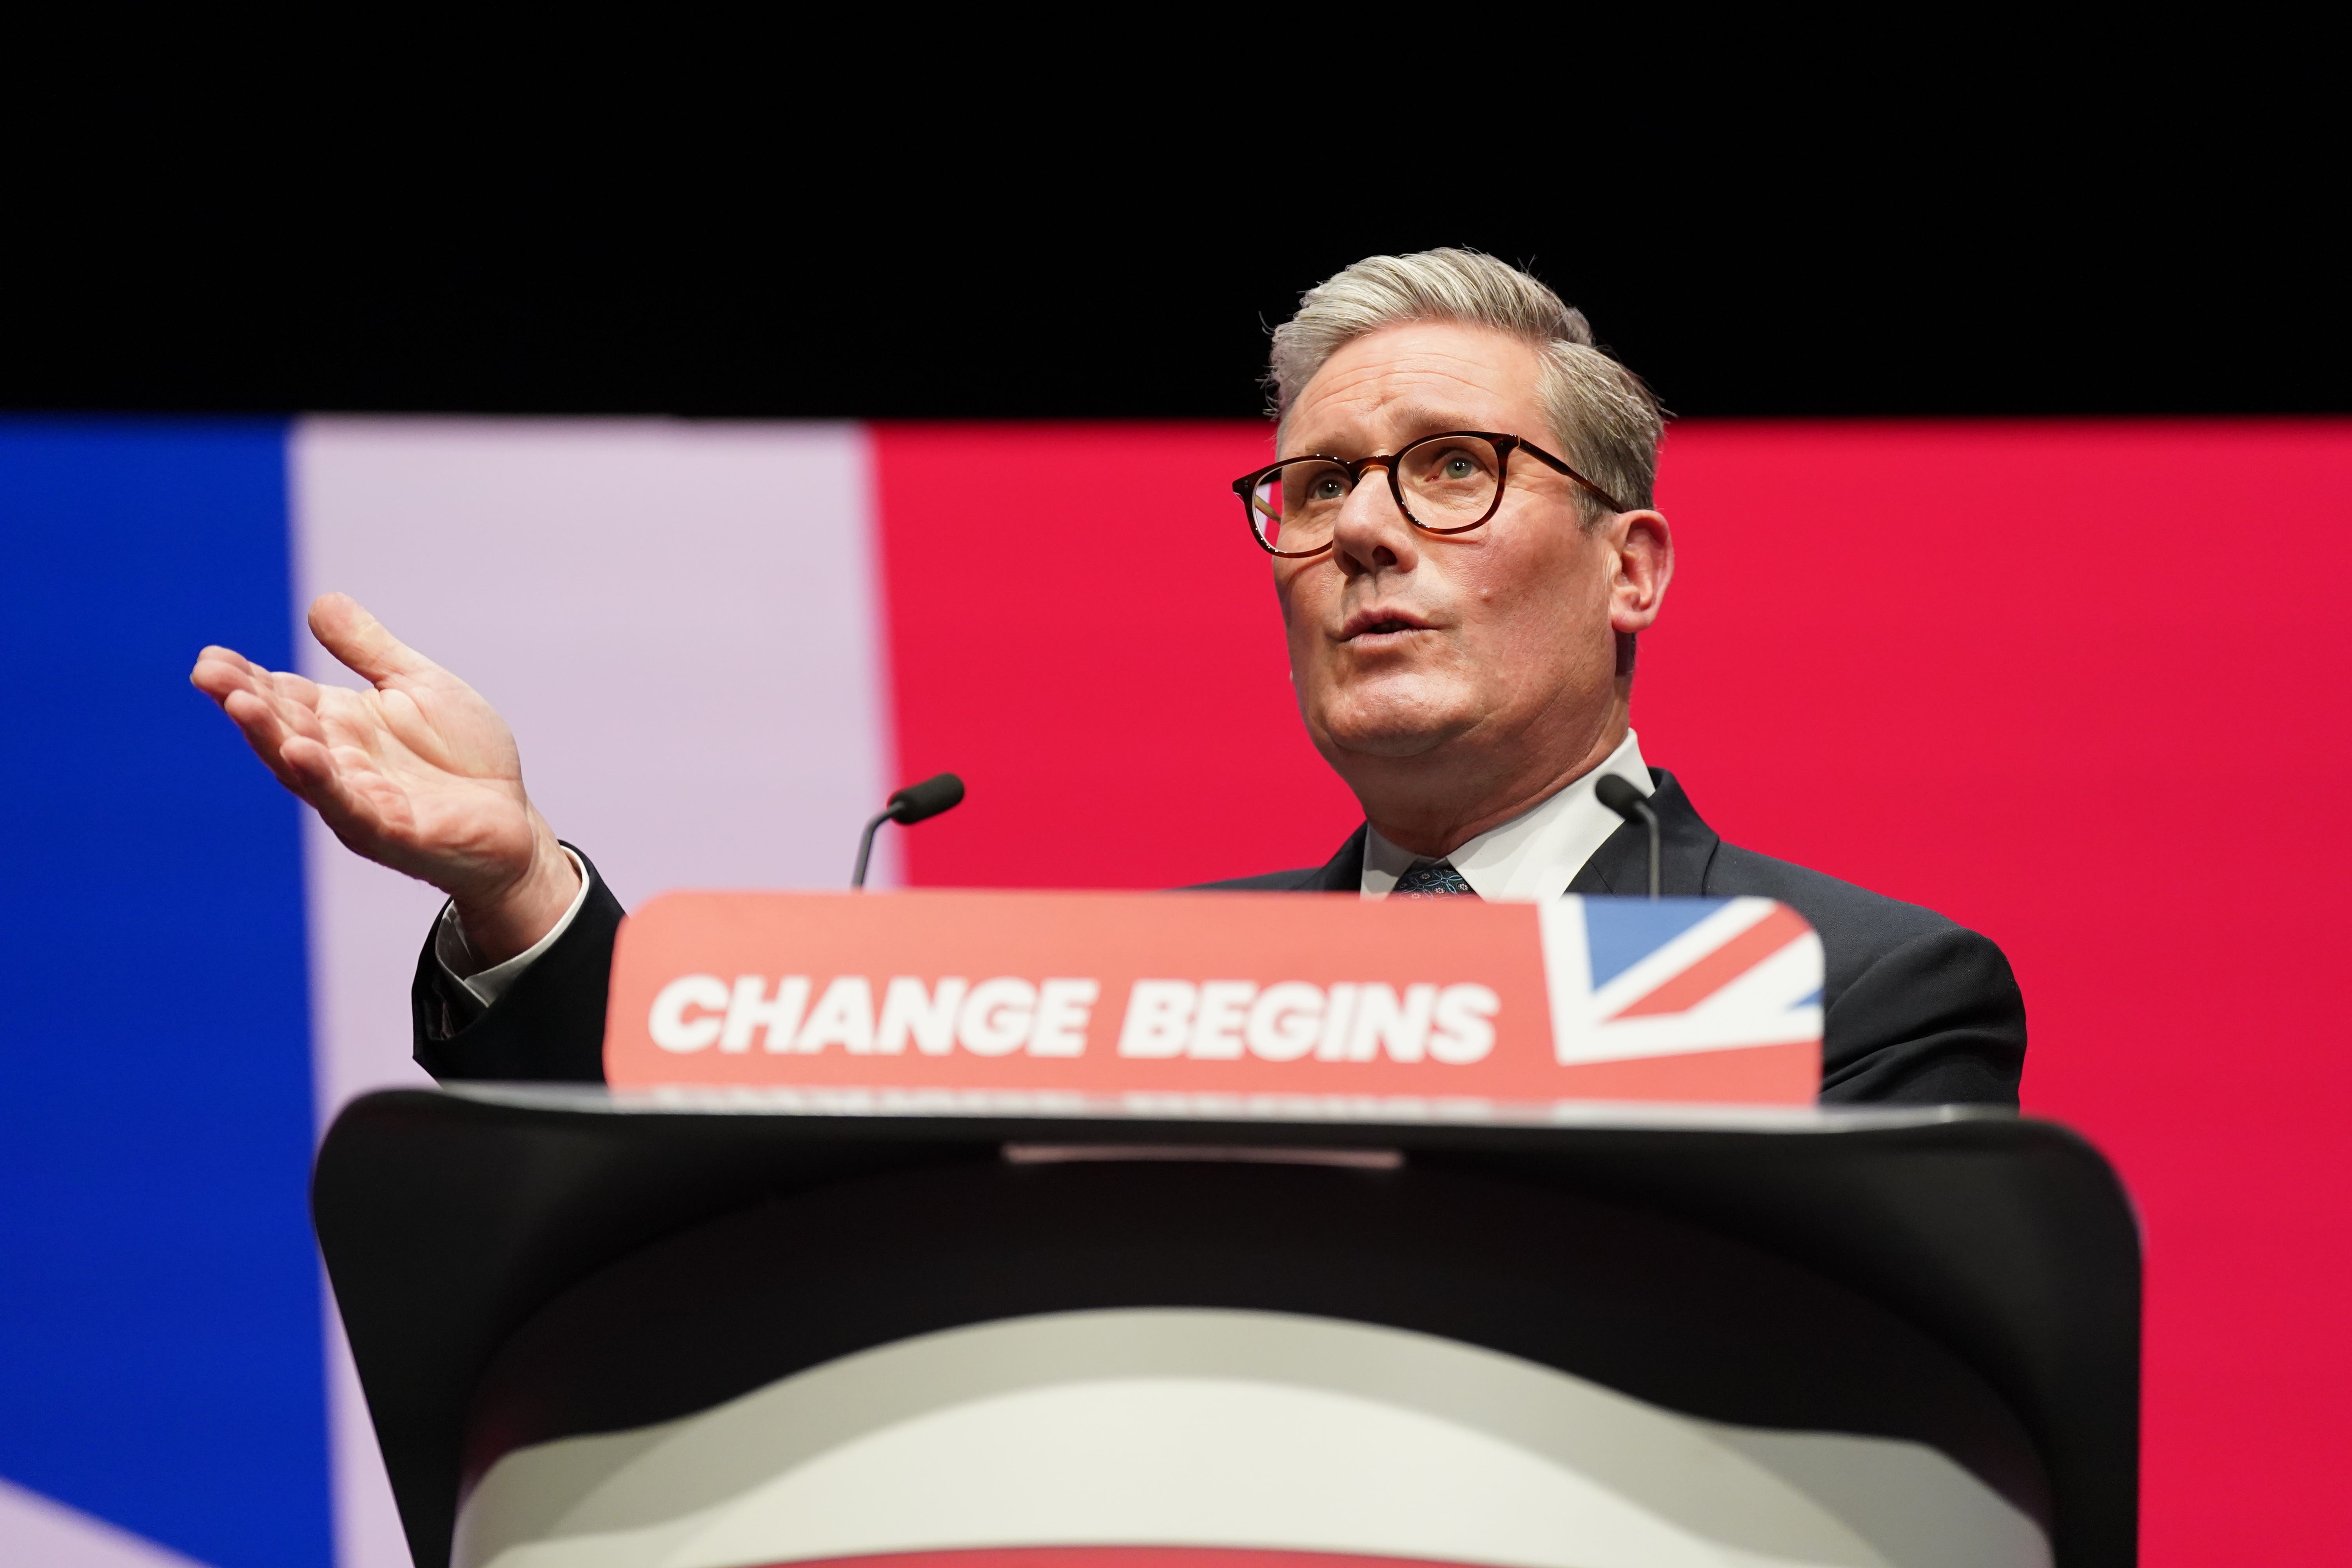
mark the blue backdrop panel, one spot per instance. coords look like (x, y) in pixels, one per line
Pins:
(160, 1357)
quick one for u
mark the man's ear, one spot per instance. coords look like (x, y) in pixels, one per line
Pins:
(1644, 546)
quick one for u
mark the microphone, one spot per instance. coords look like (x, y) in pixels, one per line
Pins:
(1628, 803)
(915, 803)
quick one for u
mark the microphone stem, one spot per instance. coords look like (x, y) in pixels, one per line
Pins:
(865, 846)
(1650, 821)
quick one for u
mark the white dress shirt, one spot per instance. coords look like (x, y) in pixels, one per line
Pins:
(457, 956)
(1535, 854)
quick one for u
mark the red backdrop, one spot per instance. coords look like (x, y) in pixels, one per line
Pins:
(2080, 685)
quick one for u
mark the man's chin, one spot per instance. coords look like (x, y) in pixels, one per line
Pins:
(1389, 747)
(1394, 732)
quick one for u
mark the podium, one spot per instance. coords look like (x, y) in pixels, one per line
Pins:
(736, 1329)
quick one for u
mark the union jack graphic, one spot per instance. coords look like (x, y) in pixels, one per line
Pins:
(1633, 977)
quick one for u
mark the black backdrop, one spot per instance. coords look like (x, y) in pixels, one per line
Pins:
(2102, 236)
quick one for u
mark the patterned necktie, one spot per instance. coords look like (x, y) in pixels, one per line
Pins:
(1432, 879)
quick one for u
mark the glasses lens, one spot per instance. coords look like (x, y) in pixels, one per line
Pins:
(1293, 506)
(1449, 481)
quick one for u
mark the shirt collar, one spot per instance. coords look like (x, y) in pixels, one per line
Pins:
(1535, 856)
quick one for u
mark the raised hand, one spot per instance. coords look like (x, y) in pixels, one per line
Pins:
(419, 774)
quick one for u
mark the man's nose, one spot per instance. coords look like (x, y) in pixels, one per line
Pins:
(1372, 534)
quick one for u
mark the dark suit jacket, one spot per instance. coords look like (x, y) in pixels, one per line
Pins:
(1917, 1010)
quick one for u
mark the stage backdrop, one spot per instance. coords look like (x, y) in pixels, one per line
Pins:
(2078, 685)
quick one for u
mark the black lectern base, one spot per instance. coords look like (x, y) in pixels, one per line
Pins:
(625, 1334)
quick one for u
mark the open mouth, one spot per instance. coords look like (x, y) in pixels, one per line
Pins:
(1380, 624)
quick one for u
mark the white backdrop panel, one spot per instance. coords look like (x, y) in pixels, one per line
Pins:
(681, 622)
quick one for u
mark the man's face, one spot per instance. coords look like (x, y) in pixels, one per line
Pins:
(1491, 641)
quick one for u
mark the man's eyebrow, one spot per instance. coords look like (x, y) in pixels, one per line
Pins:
(1419, 419)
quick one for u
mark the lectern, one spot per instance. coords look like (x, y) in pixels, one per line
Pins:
(714, 1330)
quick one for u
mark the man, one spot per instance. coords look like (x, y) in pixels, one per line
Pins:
(1465, 554)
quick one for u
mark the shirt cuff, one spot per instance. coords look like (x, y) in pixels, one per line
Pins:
(457, 960)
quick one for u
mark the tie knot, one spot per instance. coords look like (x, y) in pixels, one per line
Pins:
(1432, 879)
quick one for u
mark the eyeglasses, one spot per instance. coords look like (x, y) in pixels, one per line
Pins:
(1448, 483)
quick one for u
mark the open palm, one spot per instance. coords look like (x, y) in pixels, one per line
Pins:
(418, 774)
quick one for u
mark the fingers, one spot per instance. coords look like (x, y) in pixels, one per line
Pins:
(221, 670)
(341, 785)
(362, 643)
(268, 728)
(269, 706)
(310, 769)
(316, 740)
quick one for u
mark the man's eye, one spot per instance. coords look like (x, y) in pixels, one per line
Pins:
(1458, 466)
(1326, 489)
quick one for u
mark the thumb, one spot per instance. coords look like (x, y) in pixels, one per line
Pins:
(362, 643)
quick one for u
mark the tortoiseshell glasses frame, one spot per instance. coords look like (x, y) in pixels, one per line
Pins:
(1261, 490)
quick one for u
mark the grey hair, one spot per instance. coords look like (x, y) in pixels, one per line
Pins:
(1605, 419)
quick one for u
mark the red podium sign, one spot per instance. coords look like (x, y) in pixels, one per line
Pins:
(1450, 1003)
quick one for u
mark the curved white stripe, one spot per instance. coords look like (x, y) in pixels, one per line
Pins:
(1218, 1428)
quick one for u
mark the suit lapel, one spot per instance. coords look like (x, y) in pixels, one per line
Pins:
(1344, 873)
(1686, 847)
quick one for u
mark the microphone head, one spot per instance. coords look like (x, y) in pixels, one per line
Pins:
(917, 802)
(1619, 796)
